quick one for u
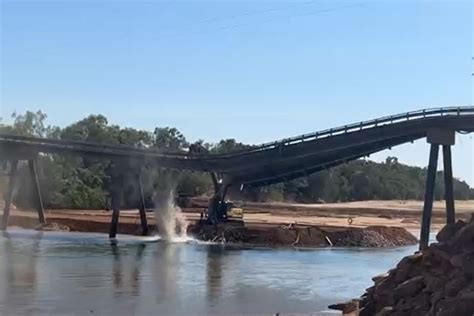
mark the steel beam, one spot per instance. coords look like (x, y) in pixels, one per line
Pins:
(142, 208)
(429, 196)
(448, 184)
(9, 194)
(37, 190)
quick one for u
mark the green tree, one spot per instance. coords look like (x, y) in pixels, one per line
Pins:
(169, 138)
(226, 146)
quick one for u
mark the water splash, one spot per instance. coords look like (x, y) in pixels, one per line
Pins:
(170, 221)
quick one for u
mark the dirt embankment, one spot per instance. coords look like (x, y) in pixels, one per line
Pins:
(438, 281)
(307, 236)
(272, 234)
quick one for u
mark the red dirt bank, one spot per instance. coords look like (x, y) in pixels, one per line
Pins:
(272, 234)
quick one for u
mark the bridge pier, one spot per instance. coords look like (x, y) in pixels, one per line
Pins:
(429, 197)
(116, 201)
(9, 194)
(142, 207)
(448, 184)
(36, 186)
(446, 138)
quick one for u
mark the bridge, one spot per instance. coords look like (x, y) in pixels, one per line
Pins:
(268, 163)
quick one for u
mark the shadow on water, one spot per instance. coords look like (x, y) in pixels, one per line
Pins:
(126, 277)
(18, 268)
(214, 271)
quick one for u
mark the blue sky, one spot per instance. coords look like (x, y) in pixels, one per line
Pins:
(251, 70)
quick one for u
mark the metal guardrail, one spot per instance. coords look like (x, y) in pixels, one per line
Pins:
(392, 119)
(127, 150)
(90, 146)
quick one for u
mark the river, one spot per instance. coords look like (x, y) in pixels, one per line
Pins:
(56, 273)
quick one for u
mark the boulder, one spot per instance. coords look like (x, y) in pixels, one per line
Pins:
(409, 288)
(454, 286)
(435, 299)
(456, 261)
(439, 252)
(461, 305)
(347, 307)
(468, 266)
(437, 282)
(449, 230)
(464, 236)
(380, 277)
(434, 283)
(386, 311)
(368, 309)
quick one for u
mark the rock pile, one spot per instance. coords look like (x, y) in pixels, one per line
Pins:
(372, 236)
(304, 236)
(439, 281)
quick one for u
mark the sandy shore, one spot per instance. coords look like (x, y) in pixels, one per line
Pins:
(406, 214)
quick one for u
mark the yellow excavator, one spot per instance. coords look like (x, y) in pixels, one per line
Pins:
(224, 210)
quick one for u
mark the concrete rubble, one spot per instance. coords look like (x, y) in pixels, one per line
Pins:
(438, 281)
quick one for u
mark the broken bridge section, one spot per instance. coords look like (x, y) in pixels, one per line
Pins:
(265, 164)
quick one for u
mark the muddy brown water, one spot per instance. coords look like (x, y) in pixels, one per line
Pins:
(54, 273)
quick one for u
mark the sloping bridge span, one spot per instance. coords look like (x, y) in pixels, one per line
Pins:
(295, 159)
(272, 162)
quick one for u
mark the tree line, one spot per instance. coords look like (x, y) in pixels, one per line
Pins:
(74, 182)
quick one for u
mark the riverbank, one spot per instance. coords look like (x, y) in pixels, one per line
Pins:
(436, 281)
(378, 224)
(251, 234)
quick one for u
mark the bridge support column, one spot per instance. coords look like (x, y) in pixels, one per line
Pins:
(116, 201)
(9, 194)
(429, 196)
(142, 208)
(448, 184)
(36, 185)
(446, 138)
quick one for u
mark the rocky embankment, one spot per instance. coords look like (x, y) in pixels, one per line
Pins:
(306, 236)
(439, 281)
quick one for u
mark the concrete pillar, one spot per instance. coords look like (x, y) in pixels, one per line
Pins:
(9, 194)
(116, 203)
(435, 137)
(429, 196)
(448, 184)
(116, 190)
(37, 191)
(142, 208)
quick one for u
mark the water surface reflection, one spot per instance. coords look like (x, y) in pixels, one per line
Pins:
(79, 274)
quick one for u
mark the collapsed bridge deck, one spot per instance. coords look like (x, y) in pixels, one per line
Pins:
(268, 163)
(272, 162)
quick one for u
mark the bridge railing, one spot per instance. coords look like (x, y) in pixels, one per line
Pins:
(91, 146)
(425, 113)
(122, 149)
